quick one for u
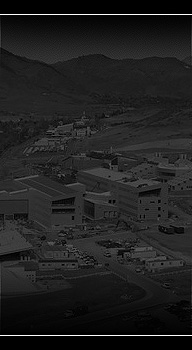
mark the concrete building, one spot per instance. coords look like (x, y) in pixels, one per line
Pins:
(141, 199)
(100, 205)
(100, 179)
(46, 202)
(99, 209)
(157, 265)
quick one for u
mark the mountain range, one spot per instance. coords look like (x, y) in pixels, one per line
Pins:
(30, 85)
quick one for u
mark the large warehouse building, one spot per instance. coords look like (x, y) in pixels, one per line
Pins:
(46, 202)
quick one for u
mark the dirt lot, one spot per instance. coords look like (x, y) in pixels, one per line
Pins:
(110, 291)
(176, 245)
(180, 282)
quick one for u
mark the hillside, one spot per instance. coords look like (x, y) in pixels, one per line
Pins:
(84, 82)
(29, 85)
(152, 76)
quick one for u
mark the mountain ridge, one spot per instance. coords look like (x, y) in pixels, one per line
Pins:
(35, 84)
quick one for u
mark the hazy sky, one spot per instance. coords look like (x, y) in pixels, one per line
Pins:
(52, 38)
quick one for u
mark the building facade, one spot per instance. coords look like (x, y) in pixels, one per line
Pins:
(138, 198)
(46, 202)
(157, 265)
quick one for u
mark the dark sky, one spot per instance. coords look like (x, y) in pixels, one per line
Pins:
(52, 38)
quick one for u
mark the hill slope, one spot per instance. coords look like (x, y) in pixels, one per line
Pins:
(28, 85)
(153, 75)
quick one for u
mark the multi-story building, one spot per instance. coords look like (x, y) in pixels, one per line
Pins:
(100, 179)
(143, 199)
(138, 198)
(46, 202)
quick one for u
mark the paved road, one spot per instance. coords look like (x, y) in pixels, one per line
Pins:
(155, 296)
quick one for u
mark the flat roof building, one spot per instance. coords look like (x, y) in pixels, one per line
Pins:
(48, 203)
(138, 198)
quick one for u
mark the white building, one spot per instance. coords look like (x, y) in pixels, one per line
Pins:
(157, 265)
(141, 253)
(54, 252)
(60, 264)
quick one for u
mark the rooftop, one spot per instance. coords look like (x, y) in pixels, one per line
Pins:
(139, 182)
(11, 186)
(102, 202)
(53, 248)
(12, 242)
(46, 185)
(58, 260)
(174, 166)
(106, 173)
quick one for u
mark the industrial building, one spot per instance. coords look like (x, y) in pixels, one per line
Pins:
(98, 208)
(37, 198)
(100, 179)
(143, 199)
(138, 198)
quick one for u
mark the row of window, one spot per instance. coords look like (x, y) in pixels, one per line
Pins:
(72, 264)
(112, 201)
